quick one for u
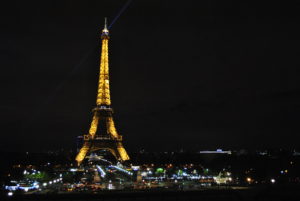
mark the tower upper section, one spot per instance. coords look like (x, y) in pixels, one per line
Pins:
(103, 96)
(105, 32)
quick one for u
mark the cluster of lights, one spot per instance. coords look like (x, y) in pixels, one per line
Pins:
(33, 172)
(35, 185)
(283, 171)
(155, 178)
(250, 180)
(53, 181)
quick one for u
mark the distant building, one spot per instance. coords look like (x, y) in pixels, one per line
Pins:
(296, 153)
(218, 151)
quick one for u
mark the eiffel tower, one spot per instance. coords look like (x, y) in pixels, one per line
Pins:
(103, 134)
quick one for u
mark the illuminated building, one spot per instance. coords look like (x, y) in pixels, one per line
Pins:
(102, 133)
(218, 151)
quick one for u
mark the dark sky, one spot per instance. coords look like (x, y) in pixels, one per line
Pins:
(184, 74)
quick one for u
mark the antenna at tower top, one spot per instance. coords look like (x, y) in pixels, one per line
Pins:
(105, 23)
(105, 31)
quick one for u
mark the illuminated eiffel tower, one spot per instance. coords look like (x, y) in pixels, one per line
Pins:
(103, 134)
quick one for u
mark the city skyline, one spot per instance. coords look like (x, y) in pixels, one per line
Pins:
(215, 75)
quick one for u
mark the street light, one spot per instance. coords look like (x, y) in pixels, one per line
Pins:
(249, 179)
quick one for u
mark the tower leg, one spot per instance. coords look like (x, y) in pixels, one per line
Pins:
(82, 153)
(122, 152)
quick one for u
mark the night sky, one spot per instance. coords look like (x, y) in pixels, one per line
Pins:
(184, 74)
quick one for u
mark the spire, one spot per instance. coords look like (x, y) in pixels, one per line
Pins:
(105, 31)
(105, 23)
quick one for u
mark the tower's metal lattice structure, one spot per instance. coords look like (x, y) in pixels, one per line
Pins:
(103, 134)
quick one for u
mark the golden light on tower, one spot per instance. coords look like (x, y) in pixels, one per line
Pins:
(103, 96)
(109, 140)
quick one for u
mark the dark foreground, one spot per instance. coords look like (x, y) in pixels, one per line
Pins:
(286, 193)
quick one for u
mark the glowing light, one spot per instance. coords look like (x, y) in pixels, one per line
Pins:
(44, 184)
(249, 179)
(103, 97)
(10, 193)
(110, 186)
(121, 169)
(102, 172)
(272, 181)
(135, 168)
